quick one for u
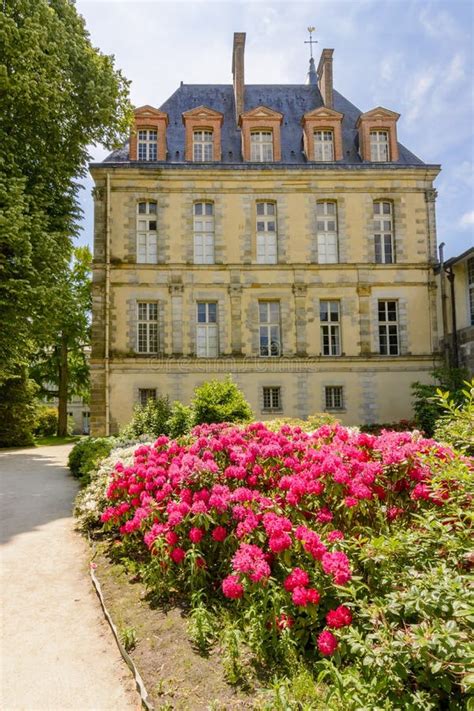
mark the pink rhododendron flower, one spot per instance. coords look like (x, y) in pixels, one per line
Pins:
(340, 617)
(335, 535)
(284, 622)
(231, 587)
(196, 535)
(177, 555)
(219, 533)
(250, 559)
(297, 578)
(327, 643)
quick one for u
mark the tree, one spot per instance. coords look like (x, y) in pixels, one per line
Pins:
(220, 401)
(58, 94)
(61, 365)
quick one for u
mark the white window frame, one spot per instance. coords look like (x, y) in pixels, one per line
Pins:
(388, 327)
(330, 320)
(380, 146)
(470, 287)
(384, 233)
(327, 232)
(147, 327)
(147, 144)
(204, 232)
(261, 146)
(147, 241)
(207, 335)
(323, 145)
(334, 397)
(269, 337)
(266, 230)
(203, 145)
(271, 398)
(145, 394)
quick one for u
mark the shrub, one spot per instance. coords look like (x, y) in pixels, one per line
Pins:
(456, 425)
(426, 407)
(313, 422)
(46, 421)
(342, 548)
(17, 411)
(86, 455)
(220, 401)
(150, 419)
(180, 421)
(400, 426)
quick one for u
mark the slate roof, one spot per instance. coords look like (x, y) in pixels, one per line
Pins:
(292, 100)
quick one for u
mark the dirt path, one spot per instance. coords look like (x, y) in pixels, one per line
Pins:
(56, 651)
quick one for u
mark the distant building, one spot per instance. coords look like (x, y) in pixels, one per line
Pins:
(456, 306)
(275, 232)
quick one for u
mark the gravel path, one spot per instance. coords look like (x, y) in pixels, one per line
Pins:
(56, 650)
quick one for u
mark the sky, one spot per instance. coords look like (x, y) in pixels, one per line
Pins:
(415, 57)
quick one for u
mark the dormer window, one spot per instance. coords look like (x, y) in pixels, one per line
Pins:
(203, 146)
(261, 146)
(379, 146)
(147, 144)
(323, 146)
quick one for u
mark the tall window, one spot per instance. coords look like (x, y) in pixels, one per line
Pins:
(326, 214)
(383, 232)
(388, 328)
(206, 331)
(269, 328)
(379, 147)
(146, 233)
(203, 233)
(329, 315)
(470, 281)
(266, 233)
(203, 146)
(324, 145)
(261, 146)
(147, 327)
(145, 394)
(334, 397)
(272, 399)
(147, 144)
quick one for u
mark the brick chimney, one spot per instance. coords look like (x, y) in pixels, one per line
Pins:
(325, 77)
(238, 72)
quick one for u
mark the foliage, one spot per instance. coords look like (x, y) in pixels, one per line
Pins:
(180, 420)
(86, 455)
(220, 401)
(335, 552)
(426, 407)
(17, 411)
(150, 419)
(377, 428)
(456, 425)
(128, 637)
(313, 422)
(46, 422)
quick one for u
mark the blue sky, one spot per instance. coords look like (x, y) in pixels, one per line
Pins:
(412, 56)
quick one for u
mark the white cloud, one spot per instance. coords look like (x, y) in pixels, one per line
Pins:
(467, 220)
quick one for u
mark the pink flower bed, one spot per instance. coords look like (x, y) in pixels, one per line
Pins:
(247, 512)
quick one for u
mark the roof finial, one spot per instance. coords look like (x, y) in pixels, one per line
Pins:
(311, 77)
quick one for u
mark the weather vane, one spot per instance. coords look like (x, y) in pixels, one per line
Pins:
(311, 41)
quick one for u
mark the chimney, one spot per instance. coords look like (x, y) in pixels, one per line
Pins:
(238, 72)
(325, 76)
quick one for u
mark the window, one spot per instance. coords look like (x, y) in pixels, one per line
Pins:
(324, 145)
(329, 315)
(266, 233)
(334, 397)
(146, 394)
(269, 325)
(261, 146)
(203, 233)
(203, 146)
(272, 399)
(383, 233)
(147, 144)
(379, 150)
(206, 332)
(146, 233)
(470, 281)
(147, 327)
(326, 226)
(388, 328)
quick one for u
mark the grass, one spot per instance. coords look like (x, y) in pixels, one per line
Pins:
(52, 440)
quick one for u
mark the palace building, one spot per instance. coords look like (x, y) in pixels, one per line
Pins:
(273, 232)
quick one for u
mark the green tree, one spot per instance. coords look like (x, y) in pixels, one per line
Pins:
(220, 401)
(61, 365)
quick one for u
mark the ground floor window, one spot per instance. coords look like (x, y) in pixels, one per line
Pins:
(272, 398)
(145, 394)
(334, 397)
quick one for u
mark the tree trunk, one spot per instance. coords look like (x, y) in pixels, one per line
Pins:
(62, 389)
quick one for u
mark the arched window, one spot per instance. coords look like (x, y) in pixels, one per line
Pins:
(147, 144)
(323, 145)
(203, 233)
(327, 235)
(261, 146)
(203, 145)
(383, 232)
(146, 232)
